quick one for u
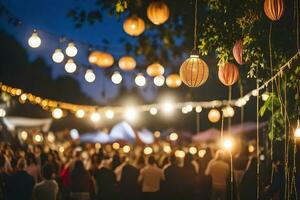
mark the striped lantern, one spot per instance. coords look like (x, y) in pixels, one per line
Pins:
(101, 59)
(274, 9)
(228, 73)
(158, 12)
(127, 63)
(134, 25)
(173, 81)
(238, 52)
(194, 71)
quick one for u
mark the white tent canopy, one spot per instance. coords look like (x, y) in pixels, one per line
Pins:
(14, 122)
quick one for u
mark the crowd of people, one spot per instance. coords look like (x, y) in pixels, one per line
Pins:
(32, 173)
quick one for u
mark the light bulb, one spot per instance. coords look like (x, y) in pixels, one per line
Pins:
(153, 111)
(228, 144)
(167, 149)
(95, 117)
(116, 146)
(38, 138)
(24, 135)
(126, 149)
(201, 153)
(265, 96)
(156, 134)
(109, 114)
(193, 150)
(34, 41)
(148, 150)
(198, 109)
(2, 112)
(228, 111)
(116, 78)
(51, 137)
(179, 154)
(71, 50)
(131, 114)
(140, 80)
(57, 113)
(89, 76)
(70, 66)
(173, 136)
(80, 113)
(168, 107)
(58, 56)
(74, 134)
(159, 80)
(297, 130)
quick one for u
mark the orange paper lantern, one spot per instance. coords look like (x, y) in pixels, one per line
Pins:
(274, 9)
(214, 115)
(101, 59)
(127, 63)
(155, 69)
(173, 81)
(238, 52)
(194, 71)
(158, 12)
(228, 73)
(134, 25)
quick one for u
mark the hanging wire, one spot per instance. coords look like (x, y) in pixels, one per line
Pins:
(195, 26)
(198, 122)
(222, 128)
(229, 100)
(257, 140)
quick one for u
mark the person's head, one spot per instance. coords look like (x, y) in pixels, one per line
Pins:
(21, 164)
(78, 166)
(220, 155)
(31, 159)
(151, 160)
(172, 159)
(47, 171)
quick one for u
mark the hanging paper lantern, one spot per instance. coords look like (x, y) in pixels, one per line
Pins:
(127, 63)
(273, 9)
(158, 12)
(228, 73)
(101, 59)
(214, 115)
(155, 69)
(134, 25)
(238, 52)
(194, 71)
(173, 81)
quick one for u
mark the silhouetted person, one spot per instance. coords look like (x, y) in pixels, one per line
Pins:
(48, 188)
(248, 183)
(33, 168)
(20, 185)
(129, 186)
(173, 180)
(189, 176)
(3, 177)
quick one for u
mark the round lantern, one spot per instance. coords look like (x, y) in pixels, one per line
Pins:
(127, 63)
(101, 59)
(214, 115)
(173, 81)
(194, 71)
(134, 26)
(238, 52)
(273, 9)
(155, 69)
(228, 73)
(158, 12)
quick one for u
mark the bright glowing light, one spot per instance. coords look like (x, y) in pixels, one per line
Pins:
(140, 80)
(38, 138)
(153, 111)
(97, 145)
(23, 97)
(74, 134)
(131, 114)
(189, 108)
(214, 115)
(61, 149)
(58, 56)
(168, 107)
(173, 136)
(51, 137)
(262, 157)
(148, 150)
(251, 148)
(156, 134)
(57, 113)
(24, 135)
(2, 112)
(193, 150)
(109, 114)
(227, 144)
(179, 154)
(80, 113)
(167, 149)
(95, 117)
(126, 149)
(198, 109)
(241, 102)
(34, 41)
(228, 111)
(71, 50)
(265, 96)
(90, 76)
(116, 78)
(201, 153)
(297, 130)
(255, 92)
(159, 80)
(70, 66)
(116, 146)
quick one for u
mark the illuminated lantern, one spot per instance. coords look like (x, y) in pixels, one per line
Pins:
(134, 25)
(155, 69)
(228, 73)
(173, 81)
(214, 115)
(34, 41)
(58, 56)
(238, 52)
(101, 59)
(159, 81)
(158, 12)
(71, 50)
(273, 9)
(194, 71)
(127, 63)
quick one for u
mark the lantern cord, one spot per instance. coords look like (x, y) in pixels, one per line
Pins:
(286, 189)
(229, 100)
(198, 122)
(195, 26)
(297, 23)
(241, 95)
(222, 128)
(257, 141)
